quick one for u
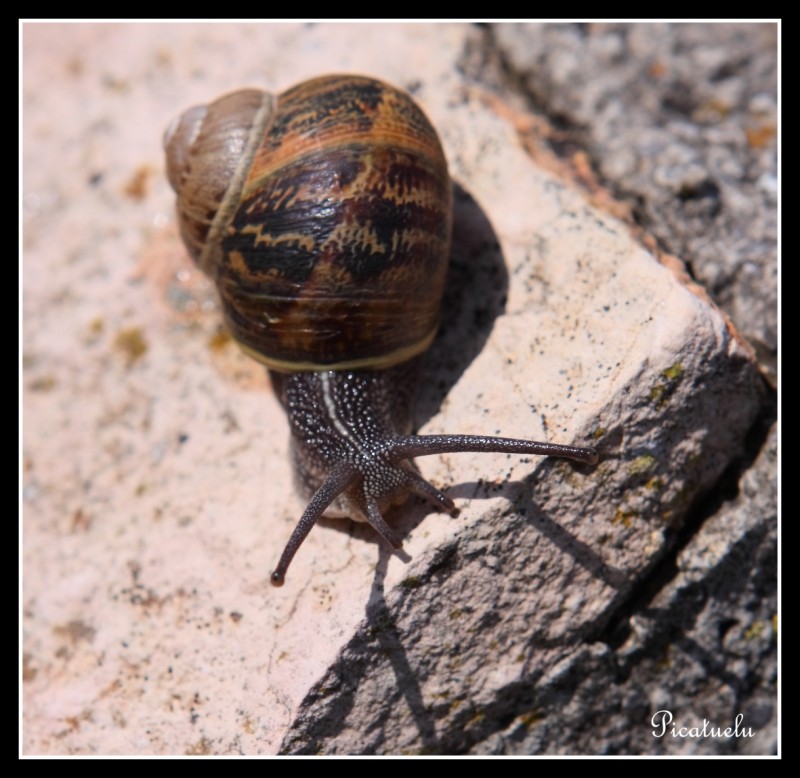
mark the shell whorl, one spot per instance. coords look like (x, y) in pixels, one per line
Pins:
(329, 244)
(209, 151)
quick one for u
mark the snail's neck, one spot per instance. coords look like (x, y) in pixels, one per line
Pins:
(338, 414)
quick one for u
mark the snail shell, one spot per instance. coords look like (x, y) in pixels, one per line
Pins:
(324, 216)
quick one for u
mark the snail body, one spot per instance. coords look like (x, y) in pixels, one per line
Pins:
(324, 217)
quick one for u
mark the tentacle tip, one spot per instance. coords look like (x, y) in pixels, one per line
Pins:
(454, 512)
(277, 578)
(447, 505)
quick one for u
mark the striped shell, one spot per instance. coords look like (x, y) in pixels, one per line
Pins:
(324, 217)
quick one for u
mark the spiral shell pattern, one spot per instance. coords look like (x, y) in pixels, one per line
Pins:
(330, 251)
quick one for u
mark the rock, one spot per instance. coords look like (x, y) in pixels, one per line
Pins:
(157, 490)
(681, 121)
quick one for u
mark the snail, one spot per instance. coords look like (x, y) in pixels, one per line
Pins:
(324, 217)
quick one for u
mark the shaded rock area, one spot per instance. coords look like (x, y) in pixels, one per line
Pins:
(613, 282)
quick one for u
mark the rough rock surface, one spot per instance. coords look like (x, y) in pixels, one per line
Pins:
(680, 121)
(567, 605)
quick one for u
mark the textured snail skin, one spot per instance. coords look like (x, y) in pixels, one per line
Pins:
(324, 217)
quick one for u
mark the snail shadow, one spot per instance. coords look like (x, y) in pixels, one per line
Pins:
(476, 291)
(391, 640)
(381, 639)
